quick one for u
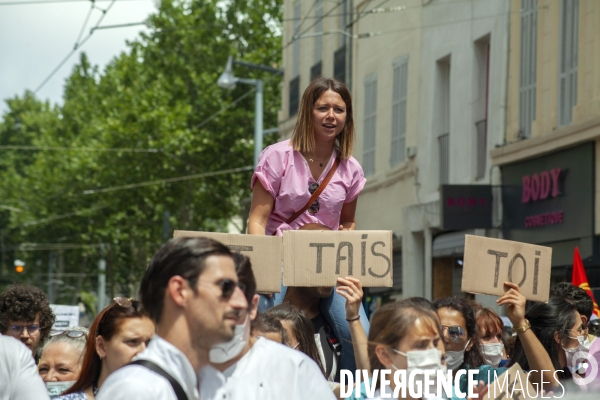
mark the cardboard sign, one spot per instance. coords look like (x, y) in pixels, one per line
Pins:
(512, 384)
(66, 316)
(489, 262)
(265, 252)
(318, 258)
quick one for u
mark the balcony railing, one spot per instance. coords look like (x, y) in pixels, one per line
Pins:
(444, 145)
(481, 148)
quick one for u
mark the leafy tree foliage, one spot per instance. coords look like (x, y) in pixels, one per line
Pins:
(161, 94)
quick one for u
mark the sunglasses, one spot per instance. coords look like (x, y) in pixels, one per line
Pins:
(68, 333)
(314, 207)
(18, 329)
(227, 286)
(455, 333)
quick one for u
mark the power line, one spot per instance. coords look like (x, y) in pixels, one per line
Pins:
(57, 217)
(169, 180)
(85, 22)
(109, 149)
(77, 46)
(25, 3)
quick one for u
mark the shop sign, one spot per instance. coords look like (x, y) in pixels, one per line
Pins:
(466, 207)
(549, 198)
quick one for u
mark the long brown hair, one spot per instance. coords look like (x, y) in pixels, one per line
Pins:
(303, 138)
(301, 326)
(106, 324)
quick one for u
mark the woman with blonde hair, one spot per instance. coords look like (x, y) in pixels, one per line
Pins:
(312, 182)
(290, 172)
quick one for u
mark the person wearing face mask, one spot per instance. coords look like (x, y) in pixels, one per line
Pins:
(490, 331)
(61, 360)
(403, 336)
(557, 325)
(249, 367)
(582, 301)
(120, 332)
(463, 345)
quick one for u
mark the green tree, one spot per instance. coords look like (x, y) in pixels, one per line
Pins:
(161, 94)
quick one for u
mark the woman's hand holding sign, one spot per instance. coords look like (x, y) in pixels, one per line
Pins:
(351, 289)
(540, 364)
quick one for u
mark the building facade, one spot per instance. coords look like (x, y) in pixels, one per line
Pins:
(549, 160)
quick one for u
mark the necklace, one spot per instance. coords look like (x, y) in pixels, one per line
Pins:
(320, 161)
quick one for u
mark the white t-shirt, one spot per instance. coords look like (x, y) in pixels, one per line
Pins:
(135, 382)
(19, 378)
(269, 371)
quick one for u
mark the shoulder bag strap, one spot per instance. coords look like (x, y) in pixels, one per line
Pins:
(179, 392)
(317, 192)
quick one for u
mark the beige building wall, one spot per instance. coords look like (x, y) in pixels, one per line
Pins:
(390, 188)
(546, 135)
(330, 43)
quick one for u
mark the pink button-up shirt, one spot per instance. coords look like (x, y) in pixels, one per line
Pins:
(285, 174)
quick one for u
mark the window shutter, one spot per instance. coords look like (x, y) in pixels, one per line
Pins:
(568, 63)
(297, 41)
(528, 59)
(399, 100)
(370, 124)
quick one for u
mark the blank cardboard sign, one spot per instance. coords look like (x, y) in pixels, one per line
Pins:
(265, 252)
(489, 262)
(512, 384)
(318, 258)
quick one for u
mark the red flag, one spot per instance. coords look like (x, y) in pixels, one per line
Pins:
(579, 278)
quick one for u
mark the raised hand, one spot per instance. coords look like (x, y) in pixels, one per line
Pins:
(351, 289)
(515, 304)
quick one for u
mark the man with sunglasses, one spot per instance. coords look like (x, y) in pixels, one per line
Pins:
(256, 368)
(25, 314)
(190, 290)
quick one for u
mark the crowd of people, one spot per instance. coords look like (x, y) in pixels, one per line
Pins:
(199, 330)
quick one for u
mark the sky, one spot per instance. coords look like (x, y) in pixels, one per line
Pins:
(35, 38)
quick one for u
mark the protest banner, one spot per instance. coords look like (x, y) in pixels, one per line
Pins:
(513, 384)
(318, 258)
(489, 262)
(66, 316)
(265, 252)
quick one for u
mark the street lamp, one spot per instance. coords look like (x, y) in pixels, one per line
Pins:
(227, 80)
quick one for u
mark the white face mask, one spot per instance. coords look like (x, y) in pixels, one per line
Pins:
(227, 351)
(586, 343)
(430, 359)
(455, 358)
(492, 353)
(571, 353)
(57, 388)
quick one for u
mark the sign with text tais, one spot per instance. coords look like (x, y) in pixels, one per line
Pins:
(265, 253)
(489, 262)
(318, 258)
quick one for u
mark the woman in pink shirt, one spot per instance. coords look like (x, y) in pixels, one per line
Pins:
(289, 172)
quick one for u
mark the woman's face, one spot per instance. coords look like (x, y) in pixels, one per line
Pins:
(454, 329)
(132, 338)
(490, 336)
(60, 362)
(329, 116)
(570, 340)
(422, 336)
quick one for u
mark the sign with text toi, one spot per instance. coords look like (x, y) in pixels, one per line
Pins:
(489, 262)
(318, 258)
(512, 384)
(265, 252)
